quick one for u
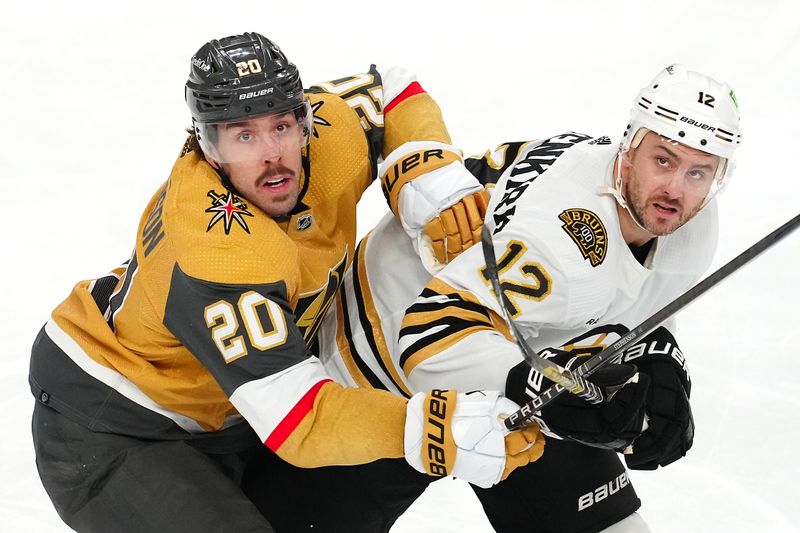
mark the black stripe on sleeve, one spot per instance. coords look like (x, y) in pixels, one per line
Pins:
(366, 325)
(348, 333)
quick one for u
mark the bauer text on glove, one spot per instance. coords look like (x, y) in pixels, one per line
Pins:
(463, 435)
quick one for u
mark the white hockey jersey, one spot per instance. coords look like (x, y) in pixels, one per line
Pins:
(563, 264)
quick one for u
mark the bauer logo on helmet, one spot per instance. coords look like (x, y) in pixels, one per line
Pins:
(701, 125)
(255, 94)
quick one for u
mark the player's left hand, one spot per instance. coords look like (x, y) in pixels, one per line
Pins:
(458, 227)
(670, 431)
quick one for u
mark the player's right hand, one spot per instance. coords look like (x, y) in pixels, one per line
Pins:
(458, 227)
(670, 431)
(463, 435)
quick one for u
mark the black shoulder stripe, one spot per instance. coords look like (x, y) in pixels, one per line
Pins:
(102, 289)
(487, 174)
(263, 337)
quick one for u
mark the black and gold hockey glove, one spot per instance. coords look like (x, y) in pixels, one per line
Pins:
(670, 431)
(613, 424)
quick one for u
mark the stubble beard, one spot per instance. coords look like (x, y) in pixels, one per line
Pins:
(639, 205)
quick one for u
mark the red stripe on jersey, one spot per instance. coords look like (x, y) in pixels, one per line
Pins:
(294, 417)
(412, 89)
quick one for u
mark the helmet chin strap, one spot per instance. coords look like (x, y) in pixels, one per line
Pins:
(616, 191)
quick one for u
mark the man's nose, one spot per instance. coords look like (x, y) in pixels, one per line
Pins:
(270, 149)
(672, 183)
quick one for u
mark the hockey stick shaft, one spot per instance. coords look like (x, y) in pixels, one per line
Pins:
(524, 415)
(555, 373)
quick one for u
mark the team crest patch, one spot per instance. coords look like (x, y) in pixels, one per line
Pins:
(227, 208)
(588, 232)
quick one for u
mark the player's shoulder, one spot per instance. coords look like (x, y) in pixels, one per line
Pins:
(516, 167)
(215, 235)
(517, 164)
(348, 86)
(347, 116)
(353, 99)
(338, 131)
(535, 190)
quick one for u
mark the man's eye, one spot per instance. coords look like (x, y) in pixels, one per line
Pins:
(282, 128)
(698, 175)
(245, 137)
(662, 161)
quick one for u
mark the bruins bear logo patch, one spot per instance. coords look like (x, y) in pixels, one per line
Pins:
(588, 232)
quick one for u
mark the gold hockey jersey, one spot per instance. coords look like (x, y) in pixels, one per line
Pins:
(210, 319)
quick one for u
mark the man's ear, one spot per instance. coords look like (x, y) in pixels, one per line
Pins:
(627, 157)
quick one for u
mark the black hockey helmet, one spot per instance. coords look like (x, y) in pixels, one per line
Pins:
(241, 76)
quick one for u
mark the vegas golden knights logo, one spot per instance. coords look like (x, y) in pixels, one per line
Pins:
(588, 232)
(228, 208)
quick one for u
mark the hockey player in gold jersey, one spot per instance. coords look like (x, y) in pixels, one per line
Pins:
(158, 384)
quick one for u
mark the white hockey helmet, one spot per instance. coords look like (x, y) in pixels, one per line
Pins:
(692, 109)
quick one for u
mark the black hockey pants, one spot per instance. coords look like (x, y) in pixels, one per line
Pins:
(365, 498)
(572, 489)
(104, 482)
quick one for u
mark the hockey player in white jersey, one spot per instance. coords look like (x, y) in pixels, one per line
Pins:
(591, 238)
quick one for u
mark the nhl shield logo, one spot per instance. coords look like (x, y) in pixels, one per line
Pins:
(304, 222)
(588, 232)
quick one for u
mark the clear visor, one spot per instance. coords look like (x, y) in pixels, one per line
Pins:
(258, 138)
(662, 164)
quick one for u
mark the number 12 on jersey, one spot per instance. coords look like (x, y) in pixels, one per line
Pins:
(542, 284)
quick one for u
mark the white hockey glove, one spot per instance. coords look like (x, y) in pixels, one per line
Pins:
(458, 227)
(463, 435)
(440, 205)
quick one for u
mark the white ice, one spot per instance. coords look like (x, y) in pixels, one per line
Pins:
(93, 117)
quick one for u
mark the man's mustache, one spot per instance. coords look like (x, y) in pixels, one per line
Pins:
(272, 172)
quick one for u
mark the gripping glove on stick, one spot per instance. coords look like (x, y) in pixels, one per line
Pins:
(463, 435)
(614, 424)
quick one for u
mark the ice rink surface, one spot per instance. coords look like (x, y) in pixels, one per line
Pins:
(93, 117)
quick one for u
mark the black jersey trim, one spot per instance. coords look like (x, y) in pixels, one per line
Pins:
(366, 324)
